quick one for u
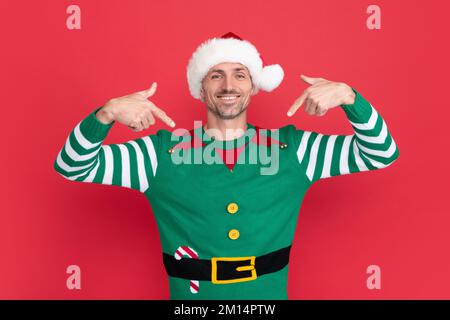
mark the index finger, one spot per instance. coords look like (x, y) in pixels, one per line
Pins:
(163, 116)
(297, 104)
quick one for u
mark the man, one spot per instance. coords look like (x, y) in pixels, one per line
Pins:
(226, 215)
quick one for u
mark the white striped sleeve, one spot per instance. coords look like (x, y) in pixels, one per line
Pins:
(84, 158)
(371, 146)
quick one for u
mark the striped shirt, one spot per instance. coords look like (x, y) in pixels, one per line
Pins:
(84, 158)
(133, 164)
(371, 146)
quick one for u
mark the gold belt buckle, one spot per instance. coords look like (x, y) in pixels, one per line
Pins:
(250, 267)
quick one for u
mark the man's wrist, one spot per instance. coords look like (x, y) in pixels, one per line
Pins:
(105, 115)
(349, 96)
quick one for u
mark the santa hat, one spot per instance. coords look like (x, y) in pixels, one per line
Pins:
(231, 48)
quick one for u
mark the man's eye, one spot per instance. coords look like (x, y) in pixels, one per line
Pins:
(214, 76)
(241, 76)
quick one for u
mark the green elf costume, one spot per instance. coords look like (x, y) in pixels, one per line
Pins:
(227, 210)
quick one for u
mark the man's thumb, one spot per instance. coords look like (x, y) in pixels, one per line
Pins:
(309, 80)
(151, 91)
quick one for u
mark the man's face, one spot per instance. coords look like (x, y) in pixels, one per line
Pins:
(226, 90)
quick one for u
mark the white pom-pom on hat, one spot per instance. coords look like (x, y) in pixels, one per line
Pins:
(231, 48)
(270, 77)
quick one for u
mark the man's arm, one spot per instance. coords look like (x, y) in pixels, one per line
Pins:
(132, 164)
(371, 146)
(84, 158)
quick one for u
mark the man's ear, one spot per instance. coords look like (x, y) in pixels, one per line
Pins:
(202, 95)
(254, 90)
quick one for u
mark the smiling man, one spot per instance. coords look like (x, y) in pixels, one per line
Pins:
(226, 91)
(226, 226)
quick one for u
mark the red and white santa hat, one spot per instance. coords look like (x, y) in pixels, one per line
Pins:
(231, 48)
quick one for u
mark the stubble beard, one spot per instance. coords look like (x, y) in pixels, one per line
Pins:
(218, 111)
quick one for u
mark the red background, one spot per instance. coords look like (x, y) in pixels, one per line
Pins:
(52, 77)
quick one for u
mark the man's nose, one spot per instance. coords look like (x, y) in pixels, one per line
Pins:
(228, 83)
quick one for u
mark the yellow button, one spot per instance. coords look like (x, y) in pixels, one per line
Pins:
(232, 208)
(233, 234)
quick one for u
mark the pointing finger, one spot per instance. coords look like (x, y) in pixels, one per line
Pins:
(163, 116)
(297, 104)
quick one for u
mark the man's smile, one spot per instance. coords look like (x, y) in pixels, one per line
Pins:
(228, 99)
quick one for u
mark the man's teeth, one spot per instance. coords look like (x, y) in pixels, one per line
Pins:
(228, 98)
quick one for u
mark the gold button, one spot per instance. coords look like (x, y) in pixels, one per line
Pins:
(233, 234)
(283, 146)
(170, 150)
(232, 207)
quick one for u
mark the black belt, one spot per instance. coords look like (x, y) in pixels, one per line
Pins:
(227, 269)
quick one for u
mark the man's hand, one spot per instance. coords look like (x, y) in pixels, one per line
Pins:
(134, 110)
(322, 95)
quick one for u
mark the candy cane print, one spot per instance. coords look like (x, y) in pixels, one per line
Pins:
(190, 253)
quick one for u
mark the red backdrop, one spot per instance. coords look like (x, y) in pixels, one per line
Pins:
(397, 218)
